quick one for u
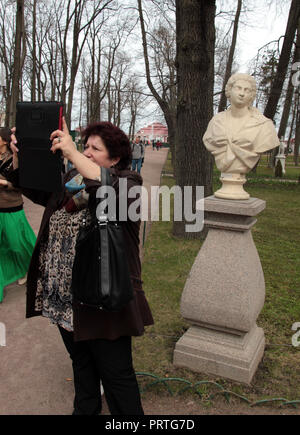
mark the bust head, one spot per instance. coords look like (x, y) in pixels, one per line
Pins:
(240, 80)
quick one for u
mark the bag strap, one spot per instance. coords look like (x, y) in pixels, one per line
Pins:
(4, 166)
(105, 181)
(103, 227)
(105, 177)
(105, 267)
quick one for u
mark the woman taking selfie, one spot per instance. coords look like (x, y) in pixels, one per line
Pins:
(98, 341)
(17, 238)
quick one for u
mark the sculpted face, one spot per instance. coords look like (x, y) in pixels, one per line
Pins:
(241, 94)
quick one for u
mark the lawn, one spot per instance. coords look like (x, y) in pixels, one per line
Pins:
(166, 264)
(292, 172)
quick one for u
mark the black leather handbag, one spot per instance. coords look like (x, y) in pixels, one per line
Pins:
(100, 275)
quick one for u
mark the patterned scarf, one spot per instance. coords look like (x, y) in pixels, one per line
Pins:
(80, 197)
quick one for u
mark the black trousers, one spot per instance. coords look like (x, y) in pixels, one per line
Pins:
(109, 361)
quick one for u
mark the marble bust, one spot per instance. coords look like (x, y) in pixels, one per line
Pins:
(237, 136)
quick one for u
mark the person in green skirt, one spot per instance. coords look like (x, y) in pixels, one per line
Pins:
(17, 238)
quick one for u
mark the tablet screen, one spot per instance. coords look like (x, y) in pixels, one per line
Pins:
(39, 168)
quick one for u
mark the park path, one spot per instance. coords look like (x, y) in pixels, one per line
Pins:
(35, 369)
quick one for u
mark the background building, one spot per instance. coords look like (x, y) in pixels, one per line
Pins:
(156, 131)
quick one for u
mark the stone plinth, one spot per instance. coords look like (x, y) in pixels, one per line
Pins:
(224, 295)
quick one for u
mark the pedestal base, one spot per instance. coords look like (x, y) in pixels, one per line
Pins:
(220, 353)
(232, 187)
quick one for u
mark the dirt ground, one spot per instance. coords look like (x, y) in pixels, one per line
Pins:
(155, 404)
(176, 406)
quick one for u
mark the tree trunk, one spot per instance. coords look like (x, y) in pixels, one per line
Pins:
(195, 75)
(289, 95)
(109, 103)
(276, 88)
(223, 99)
(16, 76)
(286, 109)
(97, 98)
(297, 132)
(292, 122)
(33, 71)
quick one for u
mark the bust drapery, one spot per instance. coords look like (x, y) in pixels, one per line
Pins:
(238, 152)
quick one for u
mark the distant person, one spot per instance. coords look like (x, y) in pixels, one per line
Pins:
(17, 238)
(138, 151)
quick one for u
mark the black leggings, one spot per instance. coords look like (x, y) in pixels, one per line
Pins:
(109, 361)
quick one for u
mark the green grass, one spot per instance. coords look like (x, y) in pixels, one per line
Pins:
(292, 171)
(168, 168)
(167, 262)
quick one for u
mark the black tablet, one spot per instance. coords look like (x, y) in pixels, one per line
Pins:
(39, 168)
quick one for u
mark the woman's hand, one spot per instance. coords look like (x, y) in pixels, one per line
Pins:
(3, 183)
(14, 148)
(62, 140)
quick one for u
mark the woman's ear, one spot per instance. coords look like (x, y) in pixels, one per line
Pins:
(115, 161)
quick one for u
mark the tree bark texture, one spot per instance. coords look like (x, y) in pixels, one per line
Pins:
(288, 98)
(297, 130)
(195, 75)
(17, 61)
(276, 89)
(33, 72)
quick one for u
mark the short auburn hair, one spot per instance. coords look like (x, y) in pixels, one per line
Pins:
(5, 134)
(115, 140)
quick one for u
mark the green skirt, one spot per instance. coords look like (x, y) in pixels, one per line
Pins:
(17, 241)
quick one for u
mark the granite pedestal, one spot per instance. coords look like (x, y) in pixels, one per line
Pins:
(224, 294)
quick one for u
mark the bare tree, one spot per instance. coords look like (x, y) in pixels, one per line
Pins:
(195, 72)
(277, 84)
(17, 63)
(223, 99)
(290, 89)
(161, 97)
(7, 41)
(97, 75)
(297, 132)
(78, 17)
(33, 52)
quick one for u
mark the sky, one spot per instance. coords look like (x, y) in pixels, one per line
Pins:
(267, 25)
